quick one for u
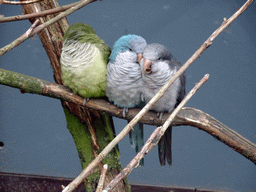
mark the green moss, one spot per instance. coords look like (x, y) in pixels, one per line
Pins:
(82, 139)
(103, 126)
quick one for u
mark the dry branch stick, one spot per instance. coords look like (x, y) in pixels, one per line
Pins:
(19, 40)
(29, 31)
(44, 25)
(182, 104)
(35, 15)
(102, 178)
(154, 137)
(20, 3)
(95, 170)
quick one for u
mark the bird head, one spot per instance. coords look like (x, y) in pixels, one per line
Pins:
(78, 31)
(133, 44)
(154, 57)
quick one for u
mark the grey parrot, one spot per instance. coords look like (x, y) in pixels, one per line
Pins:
(158, 66)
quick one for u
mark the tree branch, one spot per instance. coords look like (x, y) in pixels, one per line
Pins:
(20, 3)
(187, 116)
(35, 15)
(19, 40)
(44, 25)
(102, 178)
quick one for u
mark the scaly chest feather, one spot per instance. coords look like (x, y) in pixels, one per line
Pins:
(153, 83)
(124, 81)
(84, 69)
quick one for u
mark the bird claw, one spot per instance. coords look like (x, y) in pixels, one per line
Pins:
(85, 100)
(132, 142)
(137, 165)
(142, 98)
(125, 111)
(160, 115)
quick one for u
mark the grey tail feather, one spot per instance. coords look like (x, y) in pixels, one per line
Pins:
(165, 147)
(136, 137)
(132, 143)
(113, 129)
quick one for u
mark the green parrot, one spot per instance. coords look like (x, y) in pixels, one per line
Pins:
(84, 61)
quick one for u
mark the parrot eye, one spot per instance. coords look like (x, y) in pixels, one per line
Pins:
(159, 59)
(130, 49)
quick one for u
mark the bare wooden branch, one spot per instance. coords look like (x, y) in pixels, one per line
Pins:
(29, 31)
(182, 104)
(102, 178)
(187, 116)
(20, 3)
(44, 25)
(19, 40)
(35, 15)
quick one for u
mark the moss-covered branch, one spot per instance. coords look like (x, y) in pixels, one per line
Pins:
(187, 116)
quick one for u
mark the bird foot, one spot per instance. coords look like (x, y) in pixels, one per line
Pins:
(160, 115)
(85, 100)
(125, 111)
(132, 142)
(142, 98)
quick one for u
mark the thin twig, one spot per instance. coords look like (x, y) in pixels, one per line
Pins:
(182, 103)
(102, 178)
(29, 31)
(19, 40)
(154, 138)
(20, 2)
(44, 25)
(39, 14)
(160, 93)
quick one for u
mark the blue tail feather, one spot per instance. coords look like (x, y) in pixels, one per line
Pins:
(136, 137)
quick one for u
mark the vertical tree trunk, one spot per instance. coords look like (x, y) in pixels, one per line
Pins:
(51, 38)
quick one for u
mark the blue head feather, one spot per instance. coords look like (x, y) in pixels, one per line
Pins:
(128, 42)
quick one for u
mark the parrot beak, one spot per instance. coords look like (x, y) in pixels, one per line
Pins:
(147, 66)
(139, 57)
